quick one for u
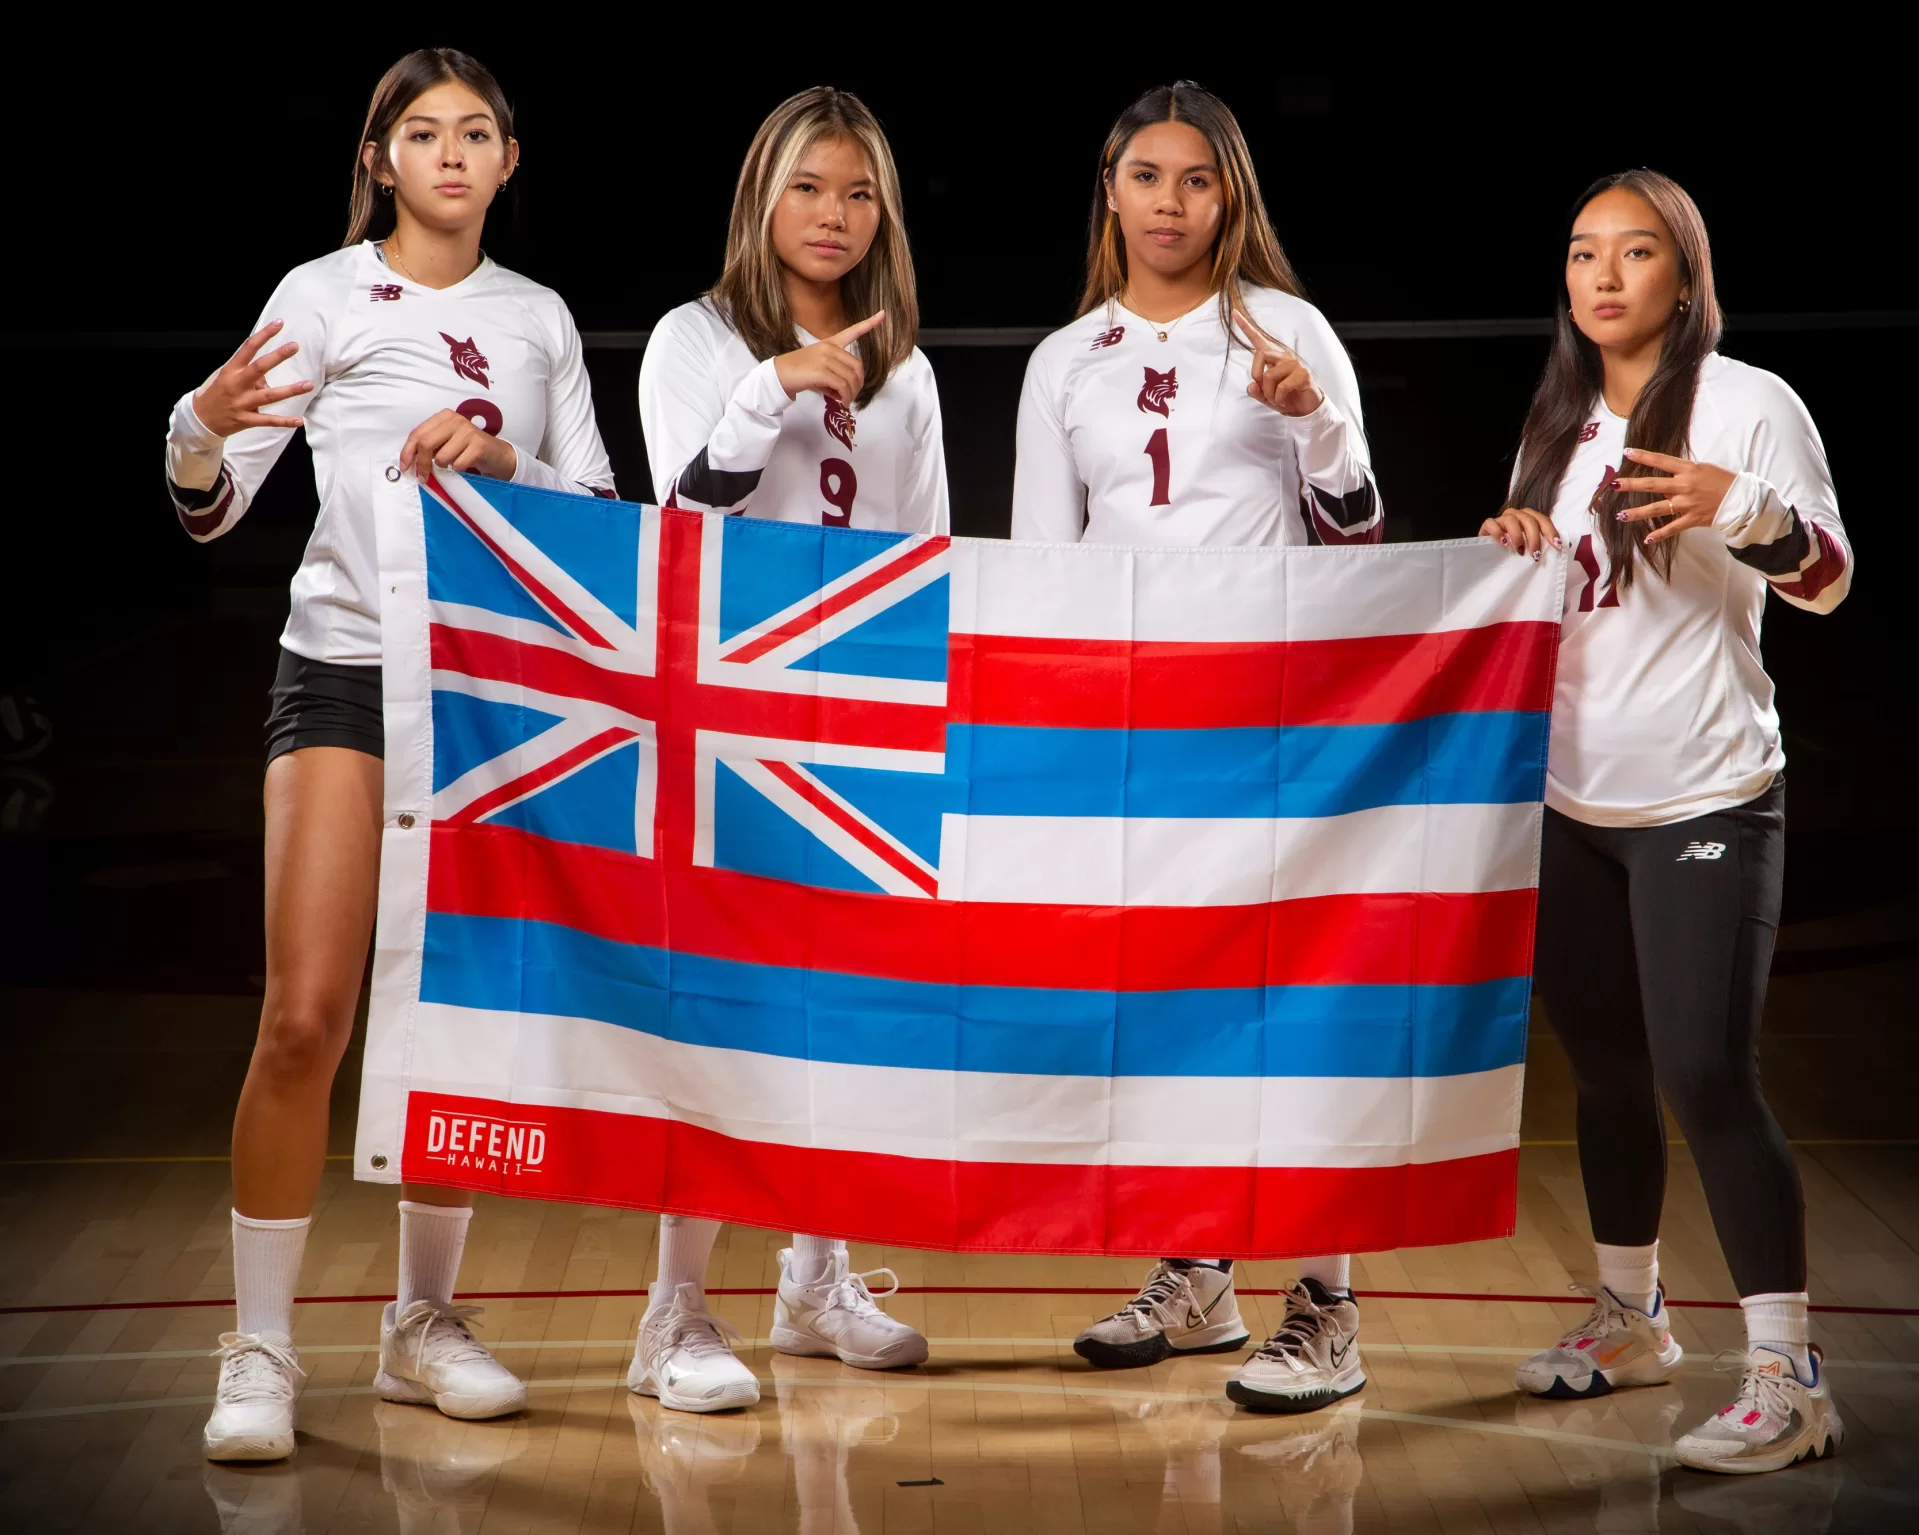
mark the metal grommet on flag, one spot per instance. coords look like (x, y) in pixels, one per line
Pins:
(378, 1161)
(406, 820)
(392, 474)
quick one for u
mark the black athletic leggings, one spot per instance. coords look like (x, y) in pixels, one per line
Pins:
(1654, 946)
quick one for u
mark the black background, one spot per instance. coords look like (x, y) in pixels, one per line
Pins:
(167, 190)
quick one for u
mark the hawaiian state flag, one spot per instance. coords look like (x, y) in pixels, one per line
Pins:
(953, 892)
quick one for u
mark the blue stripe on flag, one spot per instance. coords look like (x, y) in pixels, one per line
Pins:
(504, 964)
(1295, 770)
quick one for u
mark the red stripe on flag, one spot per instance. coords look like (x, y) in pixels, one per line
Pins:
(1414, 938)
(837, 603)
(541, 776)
(525, 577)
(854, 828)
(589, 1156)
(1115, 684)
(742, 711)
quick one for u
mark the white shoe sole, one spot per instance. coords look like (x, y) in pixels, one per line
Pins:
(1257, 1398)
(248, 1447)
(1647, 1370)
(1821, 1444)
(1227, 1337)
(742, 1394)
(496, 1404)
(909, 1350)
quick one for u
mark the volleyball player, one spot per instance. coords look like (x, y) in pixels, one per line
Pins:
(411, 350)
(1198, 399)
(1662, 855)
(793, 390)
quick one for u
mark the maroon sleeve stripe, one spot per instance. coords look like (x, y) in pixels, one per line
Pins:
(190, 506)
(1821, 573)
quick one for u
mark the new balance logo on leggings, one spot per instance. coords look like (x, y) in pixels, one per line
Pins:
(1702, 851)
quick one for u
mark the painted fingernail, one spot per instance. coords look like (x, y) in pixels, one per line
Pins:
(1559, 543)
(1535, 556)
(1615, 484)
(1505, 540)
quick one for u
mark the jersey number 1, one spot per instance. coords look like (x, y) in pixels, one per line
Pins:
(1162, 459)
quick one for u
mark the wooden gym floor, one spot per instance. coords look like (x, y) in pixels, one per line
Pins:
(130, 929)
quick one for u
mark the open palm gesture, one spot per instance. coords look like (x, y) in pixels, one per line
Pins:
(230, 401)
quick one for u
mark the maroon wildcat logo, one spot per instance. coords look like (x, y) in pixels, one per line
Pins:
(1156, 394)
(468, 361)
(1111, 337)
(839, 420)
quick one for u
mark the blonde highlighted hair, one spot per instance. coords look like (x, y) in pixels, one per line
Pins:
(1247, 248)
(750, 295)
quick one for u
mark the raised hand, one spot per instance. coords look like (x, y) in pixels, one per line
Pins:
(1280, 379)
(230, 400)
(1692, 493)
(452, 441)
(1522, 530)
(827, 365)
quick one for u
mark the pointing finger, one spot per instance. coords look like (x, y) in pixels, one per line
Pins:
(1657, 460)
(853, 333)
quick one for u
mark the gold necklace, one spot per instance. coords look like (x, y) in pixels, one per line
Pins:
(393, 260)
(1164, 332)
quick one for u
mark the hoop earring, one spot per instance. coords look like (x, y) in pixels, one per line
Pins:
(385, 190)
(1685, 305)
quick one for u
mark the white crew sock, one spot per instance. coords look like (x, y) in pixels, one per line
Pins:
(1778, 1321)
(813, 1257)
(1631, 1273)
(686, 1243)
(1335, 1273)
(266, 1267)
(432, 1237)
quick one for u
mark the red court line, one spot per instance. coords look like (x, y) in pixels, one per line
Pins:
(911, 1289)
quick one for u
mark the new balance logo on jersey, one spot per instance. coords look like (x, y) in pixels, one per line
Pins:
(467, 359)
(383, 292)
(839, 420)
(1589, 431)
(1705, 852)
(1157, 393)
(1108, 338)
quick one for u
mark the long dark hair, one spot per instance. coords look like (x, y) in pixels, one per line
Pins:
(1661, 416)
(369, 215)
(1247, 249)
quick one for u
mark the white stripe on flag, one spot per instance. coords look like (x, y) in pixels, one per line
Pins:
(1092, 592)
(966, 1115)
(1181, 861)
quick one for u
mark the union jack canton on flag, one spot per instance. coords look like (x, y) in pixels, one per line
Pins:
(952, 892)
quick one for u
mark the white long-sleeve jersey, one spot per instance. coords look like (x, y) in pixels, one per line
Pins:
(384, 354)
(1663, 709)
(723, 434)
(1128, 439)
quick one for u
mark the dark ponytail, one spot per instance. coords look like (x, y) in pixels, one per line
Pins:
(370, 211)
(1662, 415)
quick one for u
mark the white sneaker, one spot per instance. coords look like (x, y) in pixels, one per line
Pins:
(1616, 1345)
(1778, 1419)
(427, 1354)
(1183, 1308)
(1311, 1362)
(835, 1317)
(253, 1404)
(682, 1358)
